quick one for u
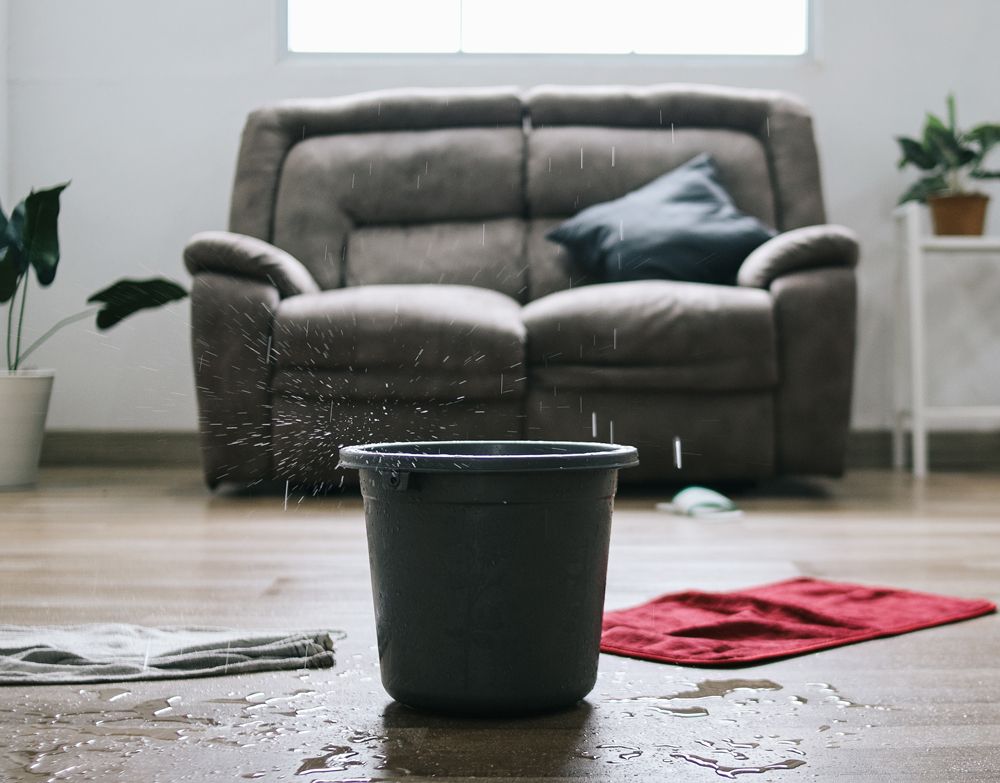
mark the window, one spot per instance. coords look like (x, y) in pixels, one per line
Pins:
(678, 27)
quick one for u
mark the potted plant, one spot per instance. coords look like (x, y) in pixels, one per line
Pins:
(29, 240)
(948, 155)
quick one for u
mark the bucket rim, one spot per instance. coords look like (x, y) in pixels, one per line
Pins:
(486, 456)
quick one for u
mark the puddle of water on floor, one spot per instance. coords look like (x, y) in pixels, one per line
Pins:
(722, 688)
(731, 737)
(718, 725)
(732, 772)
(96, 738)
(338, 758)
(681, 712)
(707, 689)
(628, 752)
(832, 695)
(112, 694)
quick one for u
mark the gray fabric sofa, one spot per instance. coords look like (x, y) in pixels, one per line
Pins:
(386, 277)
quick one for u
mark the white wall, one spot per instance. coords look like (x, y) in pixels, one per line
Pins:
(4, 146)
(141, 105)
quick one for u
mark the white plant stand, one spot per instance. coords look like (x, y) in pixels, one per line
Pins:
(910, 337)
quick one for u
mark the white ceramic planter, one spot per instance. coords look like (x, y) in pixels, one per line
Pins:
(24, 404)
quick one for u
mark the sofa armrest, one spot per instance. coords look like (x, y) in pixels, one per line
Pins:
(798, 249)
(814, 312)
(231, 343)
(225, 252)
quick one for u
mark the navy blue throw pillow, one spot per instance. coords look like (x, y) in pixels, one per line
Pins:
(681, 226)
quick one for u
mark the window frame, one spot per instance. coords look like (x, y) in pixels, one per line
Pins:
(811, 54)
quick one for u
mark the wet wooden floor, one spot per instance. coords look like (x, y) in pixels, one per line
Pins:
(155, 548)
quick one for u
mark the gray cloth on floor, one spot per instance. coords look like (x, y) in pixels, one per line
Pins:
(115, 652)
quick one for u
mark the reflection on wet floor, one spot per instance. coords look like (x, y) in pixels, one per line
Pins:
(736, 727)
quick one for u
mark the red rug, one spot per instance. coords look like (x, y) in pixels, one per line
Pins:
(773, 621)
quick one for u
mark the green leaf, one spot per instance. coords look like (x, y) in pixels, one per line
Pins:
(932, 121)
(9, 276)
(125, 297)
(923, 188)
(990, 129)
(914, 152)
(986, 135)
(12, 238)
(951, 112)
(14, 264)
(40, 235)
(947, 148)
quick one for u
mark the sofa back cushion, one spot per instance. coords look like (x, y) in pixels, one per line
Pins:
(331, 186)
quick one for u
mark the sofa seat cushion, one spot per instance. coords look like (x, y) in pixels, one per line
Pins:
(412, 330)
(653, 334)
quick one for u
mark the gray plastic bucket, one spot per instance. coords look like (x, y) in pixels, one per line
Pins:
(488, 563)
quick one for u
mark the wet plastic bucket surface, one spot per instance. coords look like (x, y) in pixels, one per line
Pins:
(488, 578)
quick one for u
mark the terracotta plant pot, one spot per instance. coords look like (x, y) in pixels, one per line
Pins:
(962, 213)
